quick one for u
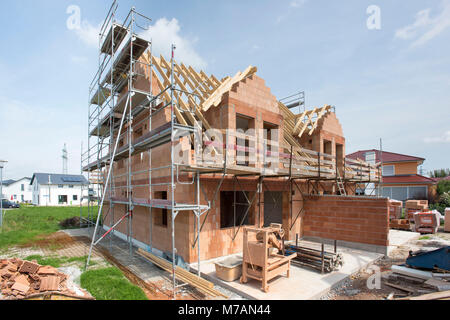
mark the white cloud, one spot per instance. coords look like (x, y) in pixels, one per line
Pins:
(88, 33)
(424, 27)
(164, 33)
(79, 59)
(297, 3)
(293, 4)
(445, 138)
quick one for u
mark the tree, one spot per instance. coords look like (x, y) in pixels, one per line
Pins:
(440, 173)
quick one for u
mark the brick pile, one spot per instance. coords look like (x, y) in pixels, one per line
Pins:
(395, 209)
(400, 224)
(413, 206)
(21, 279)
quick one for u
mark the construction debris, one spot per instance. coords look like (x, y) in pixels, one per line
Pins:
(70, 223)
(438, 285)
(431, 296)
(24, 279)
(418, 278)
(409, 272)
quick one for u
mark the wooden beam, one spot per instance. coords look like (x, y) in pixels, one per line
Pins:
(226, 86)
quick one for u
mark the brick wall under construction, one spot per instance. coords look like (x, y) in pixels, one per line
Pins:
(351, 219)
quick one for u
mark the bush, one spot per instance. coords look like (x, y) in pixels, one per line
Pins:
(443, 187)
(439, 207)
(445, 199)
(444, 202)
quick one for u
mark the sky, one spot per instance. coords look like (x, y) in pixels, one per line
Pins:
(384, 65)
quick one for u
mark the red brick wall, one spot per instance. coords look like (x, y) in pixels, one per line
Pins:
(350, 219)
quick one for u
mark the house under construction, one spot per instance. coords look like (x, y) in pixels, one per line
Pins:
(188, 159)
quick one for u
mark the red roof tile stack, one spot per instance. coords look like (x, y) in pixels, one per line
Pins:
(20, 279)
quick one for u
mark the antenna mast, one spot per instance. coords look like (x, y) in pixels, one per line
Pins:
(65, 159)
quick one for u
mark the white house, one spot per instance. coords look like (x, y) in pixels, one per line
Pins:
(58, 189)
(18, 191)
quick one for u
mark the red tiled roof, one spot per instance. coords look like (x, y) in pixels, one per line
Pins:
(409, 179)
(387, 156)
(440, 179)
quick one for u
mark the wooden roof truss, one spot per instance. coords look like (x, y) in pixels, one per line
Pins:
(308, 121)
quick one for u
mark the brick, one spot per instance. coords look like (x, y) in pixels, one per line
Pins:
(20, 287)
(47, 270)
(22, 279)
(49, 283)
(12, 267)
(29, 267)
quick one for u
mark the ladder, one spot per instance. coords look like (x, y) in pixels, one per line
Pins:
(340, 184)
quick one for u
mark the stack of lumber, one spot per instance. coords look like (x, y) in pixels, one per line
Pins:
(200, 284)
(418, 284)
(413, 206)
(395, 209)
(445, 295)
(312, 258)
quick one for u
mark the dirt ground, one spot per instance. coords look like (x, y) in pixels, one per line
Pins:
(356, 288)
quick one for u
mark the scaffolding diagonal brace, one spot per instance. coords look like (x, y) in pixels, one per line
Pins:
(216, 192)
(106, 186)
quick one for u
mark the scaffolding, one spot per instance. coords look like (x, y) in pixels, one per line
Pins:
(111, 110)
(117, 97)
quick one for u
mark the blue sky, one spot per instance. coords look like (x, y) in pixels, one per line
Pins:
(392, 83)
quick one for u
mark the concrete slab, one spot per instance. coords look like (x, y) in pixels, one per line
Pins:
(303, 284)
(398, 238)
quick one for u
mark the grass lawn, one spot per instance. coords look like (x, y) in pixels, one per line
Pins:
(57, 262)
(29, 224)
(110, 284)
(20, 226)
